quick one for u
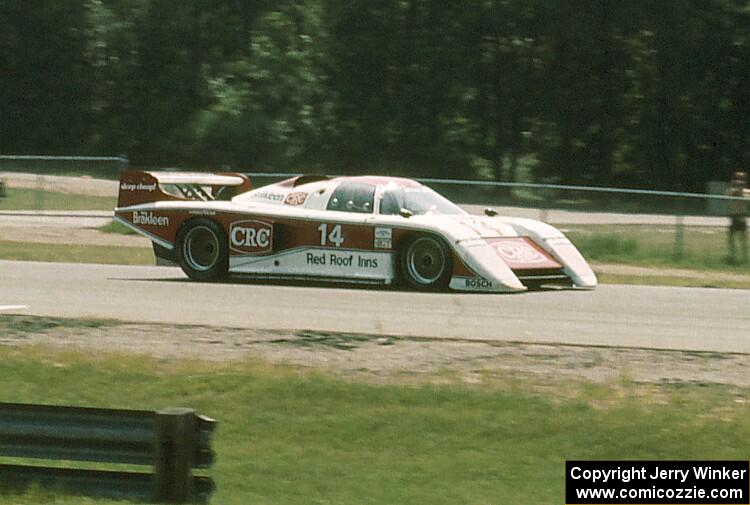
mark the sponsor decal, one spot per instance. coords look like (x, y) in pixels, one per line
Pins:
(130, 186)
(268, 195)
(383, 232)
(383, 238)
(202, 212)
(250, 236)
(477, 283)
(149, 218)
(297, 198)
(519, 252)
(341, 260)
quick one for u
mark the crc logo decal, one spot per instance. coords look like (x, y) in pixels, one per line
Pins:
(297, 198)
(519, 252)
(250, 237)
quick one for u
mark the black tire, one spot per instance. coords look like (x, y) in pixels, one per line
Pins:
(426, 263)
(203, 250)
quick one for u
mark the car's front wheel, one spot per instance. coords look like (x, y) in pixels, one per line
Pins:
(425, 263)
(202, 250)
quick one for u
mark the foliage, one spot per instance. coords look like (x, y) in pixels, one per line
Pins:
(640, 93)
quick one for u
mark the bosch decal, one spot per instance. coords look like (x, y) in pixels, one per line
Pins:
(251, 237)
(477, 283)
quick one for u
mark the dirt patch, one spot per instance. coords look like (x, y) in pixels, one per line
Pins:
(388, 356)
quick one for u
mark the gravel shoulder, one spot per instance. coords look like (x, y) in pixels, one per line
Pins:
(60, 184)
(389, 357)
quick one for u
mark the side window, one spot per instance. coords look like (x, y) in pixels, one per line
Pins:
(392, 202)
(352, 197)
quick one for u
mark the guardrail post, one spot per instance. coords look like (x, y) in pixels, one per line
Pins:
(175, 448)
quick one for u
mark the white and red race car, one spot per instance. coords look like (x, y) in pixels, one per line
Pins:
(364, 229)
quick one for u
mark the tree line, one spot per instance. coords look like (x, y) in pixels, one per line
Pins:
(640, 93)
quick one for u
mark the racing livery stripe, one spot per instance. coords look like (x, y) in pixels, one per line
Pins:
(162, 226)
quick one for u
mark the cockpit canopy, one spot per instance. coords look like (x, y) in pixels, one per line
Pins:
(361, 195)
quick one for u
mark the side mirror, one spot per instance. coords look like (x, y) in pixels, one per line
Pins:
(405, 213)
(489, 211)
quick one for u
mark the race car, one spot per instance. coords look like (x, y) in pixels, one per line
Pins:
(355, 229)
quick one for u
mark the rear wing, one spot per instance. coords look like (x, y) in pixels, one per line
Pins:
(138, 187)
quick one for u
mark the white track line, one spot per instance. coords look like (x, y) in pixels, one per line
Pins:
(13, 307)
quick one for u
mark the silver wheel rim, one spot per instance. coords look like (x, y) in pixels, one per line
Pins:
(425, 260)
(201, 248)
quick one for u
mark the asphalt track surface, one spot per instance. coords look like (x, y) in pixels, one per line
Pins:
(692, 319)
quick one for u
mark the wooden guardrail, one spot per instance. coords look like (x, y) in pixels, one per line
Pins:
(172, 441)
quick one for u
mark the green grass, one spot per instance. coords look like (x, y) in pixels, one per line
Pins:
(75, 253)
(706, 281)
(118, 228)
(287, 436)
(704, 248)
(32, 199)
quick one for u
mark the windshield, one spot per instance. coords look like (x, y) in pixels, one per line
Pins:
(420, 200)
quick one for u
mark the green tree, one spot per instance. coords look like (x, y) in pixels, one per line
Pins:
(269, 108)
(46, 78)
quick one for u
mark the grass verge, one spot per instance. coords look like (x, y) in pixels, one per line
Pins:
(76, 253)
(704, 248)
(290, 436)
(31, 199)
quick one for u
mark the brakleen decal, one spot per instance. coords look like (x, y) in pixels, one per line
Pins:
(149, 218)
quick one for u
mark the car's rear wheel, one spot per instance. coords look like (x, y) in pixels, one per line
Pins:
(202, 250)
(425, 263)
